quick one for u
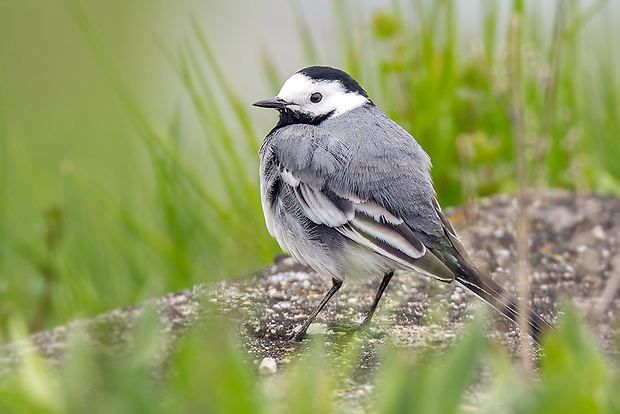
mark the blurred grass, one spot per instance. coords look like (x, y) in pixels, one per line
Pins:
(187, 211)
(209, 373)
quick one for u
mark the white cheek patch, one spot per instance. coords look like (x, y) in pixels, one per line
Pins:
(348, 101)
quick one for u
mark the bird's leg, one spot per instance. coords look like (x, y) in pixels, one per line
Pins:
(384, 282)
(336, 284)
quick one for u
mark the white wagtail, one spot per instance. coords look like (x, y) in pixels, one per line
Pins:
(348, 192)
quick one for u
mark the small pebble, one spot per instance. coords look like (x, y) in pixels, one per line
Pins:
(268, 366)
(598, 232)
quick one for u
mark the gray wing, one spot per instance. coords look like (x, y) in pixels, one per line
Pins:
(373, 227)
(369, 193)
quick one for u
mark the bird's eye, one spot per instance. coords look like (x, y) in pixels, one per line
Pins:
(316, 97)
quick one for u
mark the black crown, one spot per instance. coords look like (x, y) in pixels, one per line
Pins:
(327, 73)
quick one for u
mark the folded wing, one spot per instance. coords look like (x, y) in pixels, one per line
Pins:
(370, 225)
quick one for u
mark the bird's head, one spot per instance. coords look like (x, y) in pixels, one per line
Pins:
(314, 94)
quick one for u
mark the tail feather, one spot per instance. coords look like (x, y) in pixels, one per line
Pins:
(502, 300)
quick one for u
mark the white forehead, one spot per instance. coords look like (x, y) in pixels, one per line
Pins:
(300, 85)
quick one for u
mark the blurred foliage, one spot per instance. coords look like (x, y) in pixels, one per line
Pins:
(210, 373)
(187, 209)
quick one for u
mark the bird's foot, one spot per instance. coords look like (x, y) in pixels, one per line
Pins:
(297, 337)
(349, 330)
(346, 328)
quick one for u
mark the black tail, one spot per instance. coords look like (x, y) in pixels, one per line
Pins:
(501, 300)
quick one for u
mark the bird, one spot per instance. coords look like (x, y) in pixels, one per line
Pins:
(347, 191)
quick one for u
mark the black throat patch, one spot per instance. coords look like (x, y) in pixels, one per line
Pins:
(288, 117)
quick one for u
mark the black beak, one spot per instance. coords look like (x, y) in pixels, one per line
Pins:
(276, 103)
